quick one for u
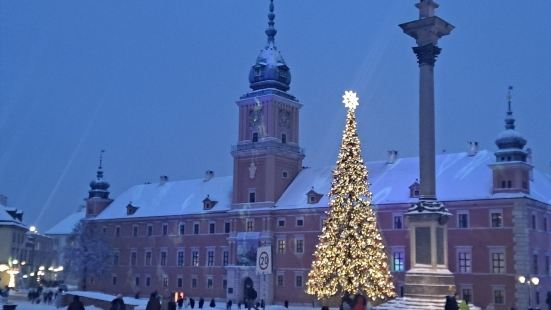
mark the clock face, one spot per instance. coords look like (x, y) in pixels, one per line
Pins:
(284, 118)
(255, 116)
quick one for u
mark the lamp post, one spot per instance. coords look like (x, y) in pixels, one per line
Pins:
(533, 281)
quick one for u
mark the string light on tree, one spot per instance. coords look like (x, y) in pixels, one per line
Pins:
(350, 256)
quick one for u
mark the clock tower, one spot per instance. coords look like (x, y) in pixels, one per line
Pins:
(267, 156)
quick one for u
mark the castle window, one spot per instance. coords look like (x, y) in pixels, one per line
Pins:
(114, 280)
(499, 296)
(182, 229)
(208, 203)
(130, 209)
(148, 256)
(255, 137)
(534, 226)
(280, 280)
(299, 246)
(227, 227)
(163, 257)
(281, 246)
(134, 230)
(497, 260)
(463, 219)
(509, 184)
(535, 269)
(180, 258)
(210, 258)
(285, 174)
(180, 282)
(464, 259)
(313, 197)
(133, 258)
(398, 259)
(252, 195)
(194, 282)
(225, 258)
(397, 221)
(298, 280)
(209, 282)
(212, 228)
(496, 218)
(545, 224)
(165, 229)
(118, 231)
(281, 222)
(283, 138)
(300, 221)
(249, 225)
(137, 281)
(195, 228)
(148, 281)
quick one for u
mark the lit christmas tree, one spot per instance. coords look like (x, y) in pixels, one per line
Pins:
(350, 256)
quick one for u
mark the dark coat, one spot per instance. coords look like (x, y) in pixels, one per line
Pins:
(153, 304)
(76, 304)
(118, 304)
(201, 303)
(171, 305)
(451, 303)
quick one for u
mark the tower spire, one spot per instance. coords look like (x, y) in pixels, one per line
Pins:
(100, 167)
(271, 31)
(509, 120)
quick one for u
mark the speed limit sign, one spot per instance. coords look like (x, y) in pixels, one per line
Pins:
(264, 260)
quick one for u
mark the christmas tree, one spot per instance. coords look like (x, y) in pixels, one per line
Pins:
(350, 256)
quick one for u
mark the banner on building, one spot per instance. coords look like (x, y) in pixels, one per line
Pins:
(264, 260)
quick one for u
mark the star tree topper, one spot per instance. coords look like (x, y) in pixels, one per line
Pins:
(350, 100)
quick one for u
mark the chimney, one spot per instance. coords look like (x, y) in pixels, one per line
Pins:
(392, 156)
(209, 174)
(3, 200)
(163, 180)
(473, 148)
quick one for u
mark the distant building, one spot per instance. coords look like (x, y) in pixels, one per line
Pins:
(201, 236)
(22, 249)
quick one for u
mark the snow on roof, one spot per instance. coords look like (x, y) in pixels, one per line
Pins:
(172, 198)
(6, 219)
(67, 225)
(458, 177)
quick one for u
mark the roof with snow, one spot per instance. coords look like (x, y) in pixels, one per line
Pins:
(7, 219)
(67, 225)
(172, 198)
(459, 177)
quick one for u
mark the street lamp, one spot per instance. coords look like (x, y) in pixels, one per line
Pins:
(533, 281)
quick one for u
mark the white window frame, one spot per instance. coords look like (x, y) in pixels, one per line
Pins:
(213, 256)
(495, 211)
(297, 219)
(394, 216)
(494, 250)
(466, 213)
(396, 250)
(468, 250)
(178, 251)
(297, 239)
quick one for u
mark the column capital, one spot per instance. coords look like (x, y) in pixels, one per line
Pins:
(426, 54)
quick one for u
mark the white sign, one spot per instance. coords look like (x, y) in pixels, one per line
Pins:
(264, 260)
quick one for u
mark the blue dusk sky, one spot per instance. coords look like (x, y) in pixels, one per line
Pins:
(154, 83)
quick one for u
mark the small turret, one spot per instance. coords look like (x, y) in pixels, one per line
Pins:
(98, 195)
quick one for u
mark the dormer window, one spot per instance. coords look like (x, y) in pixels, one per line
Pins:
(130, 209)
(414, 189)
(208, 203)
(313, 197)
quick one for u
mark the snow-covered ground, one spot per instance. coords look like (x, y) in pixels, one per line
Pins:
(20, 299)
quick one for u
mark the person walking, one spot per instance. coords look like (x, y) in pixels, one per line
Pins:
(201, 303)
(153, 303)
(76, 304)
(228, 305)
(451, 303)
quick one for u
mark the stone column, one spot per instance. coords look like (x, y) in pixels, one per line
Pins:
(426, 57)
(429, 277)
